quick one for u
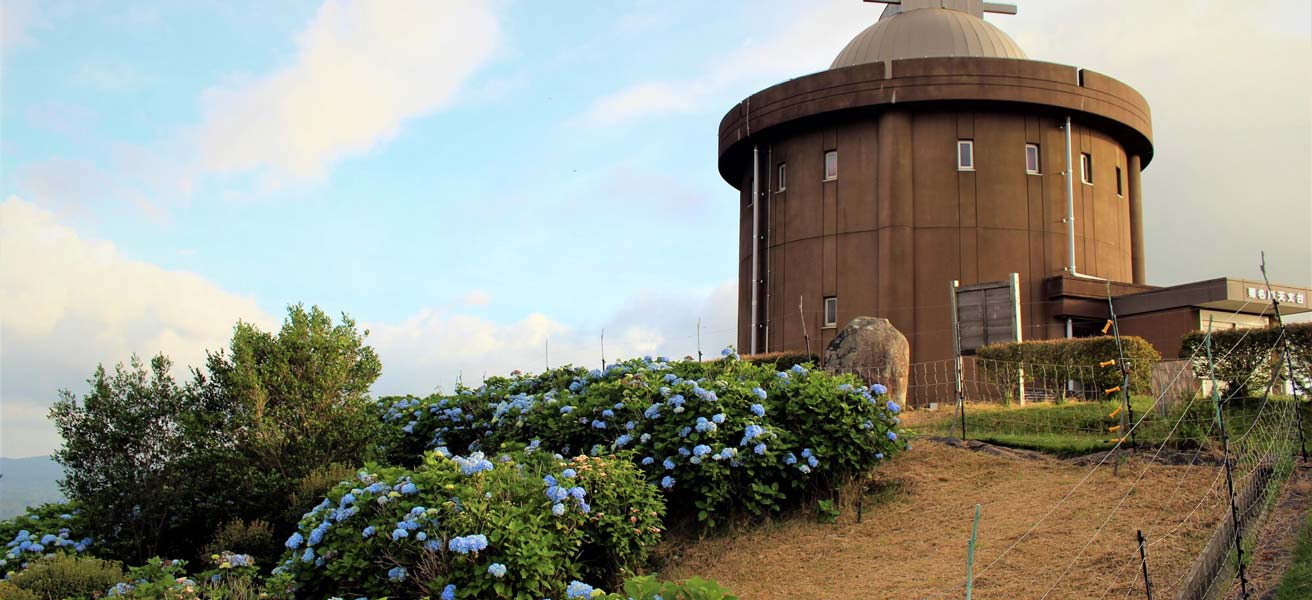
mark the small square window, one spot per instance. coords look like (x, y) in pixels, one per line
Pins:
(831, 165)
(831, 311)
(1120, 188)
(965, 155)
(783, 176)
(1086, 168)
(1032, 159)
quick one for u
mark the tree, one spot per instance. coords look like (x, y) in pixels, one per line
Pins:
(160, 467)
(299, 399)
(131, 453)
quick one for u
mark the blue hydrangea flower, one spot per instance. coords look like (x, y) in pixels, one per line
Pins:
(893, 407)
(758, 410)
(752, 432)
(558, 509)
(668, 464)
(760, 393)
(717, 418)
(623, 440)
(295, 540)
(701, 450)
(568, 473)
(578, 589)
(368, 531)
(799, 369)
(667, 482)
(308, 556)
(879, 389)
(396, 574)
(399, 533)
(892, 437)
(497, 570)
(648, 461)
(449, 592)
(409, 488)
(759, 448)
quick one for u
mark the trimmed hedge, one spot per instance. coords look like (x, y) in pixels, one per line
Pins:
(1083, 352)
(1244, 358)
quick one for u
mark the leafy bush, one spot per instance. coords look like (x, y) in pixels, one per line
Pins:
(42, 530)
(647, 588)
(721, 438)
(1078, 352)
(255, 538)
(1245, 358)
(523, 526)
(782, 361)
(9, 591)
(68, 577)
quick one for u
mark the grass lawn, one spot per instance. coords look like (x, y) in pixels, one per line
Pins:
(1078, 428)
(1297, 582)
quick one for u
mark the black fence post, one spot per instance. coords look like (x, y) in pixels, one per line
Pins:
(1143, 560)
(1229, 476)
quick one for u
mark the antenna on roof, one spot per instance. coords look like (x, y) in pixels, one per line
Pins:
(974, 7)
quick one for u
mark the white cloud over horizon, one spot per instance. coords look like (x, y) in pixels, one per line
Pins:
(362, 69)
(69, 303)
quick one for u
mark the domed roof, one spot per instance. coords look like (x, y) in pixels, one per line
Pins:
(926, 32)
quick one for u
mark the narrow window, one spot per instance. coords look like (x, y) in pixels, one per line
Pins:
(783, 176)
(831, 311)
(1086, 168)
(965, 155)
(1120, 188)
(1032, 159)
(831, 165)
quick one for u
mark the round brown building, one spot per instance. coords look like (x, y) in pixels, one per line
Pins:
(932, 150)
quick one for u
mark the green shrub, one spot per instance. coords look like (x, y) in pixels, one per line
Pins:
(523, 526)
(1088, 352)
(647, 588)
(9, 591)
(40, 531)
(782, 361)
(254, 538)
(722, 438)
(1245, 358)
(62, 576)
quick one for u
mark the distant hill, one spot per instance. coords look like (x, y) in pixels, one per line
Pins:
(28, 482)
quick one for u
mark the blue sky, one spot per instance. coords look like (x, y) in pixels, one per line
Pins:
(471, 179)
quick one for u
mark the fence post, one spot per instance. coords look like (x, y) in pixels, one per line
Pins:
(958, 384)
(1229, 477)
(1143, 560)
(1289, 363)
(970, 554)
(1125, 368)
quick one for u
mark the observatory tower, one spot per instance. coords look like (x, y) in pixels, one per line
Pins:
(934, 149)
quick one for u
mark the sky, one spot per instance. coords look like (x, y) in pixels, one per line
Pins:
(489, 186)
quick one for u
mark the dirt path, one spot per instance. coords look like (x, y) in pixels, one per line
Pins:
(1275, 543)
(914, 545)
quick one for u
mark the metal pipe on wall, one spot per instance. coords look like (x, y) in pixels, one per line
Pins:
(1070, 204)
(756, 239)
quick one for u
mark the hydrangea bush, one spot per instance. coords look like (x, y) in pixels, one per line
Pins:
(518, 525)
(719, 438)
(41, 531)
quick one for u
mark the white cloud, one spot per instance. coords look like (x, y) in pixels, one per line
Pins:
(803, 39)
(68, 303)
(361, 70)
(432, 349)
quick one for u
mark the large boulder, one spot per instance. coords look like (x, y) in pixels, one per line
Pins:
(874, 350)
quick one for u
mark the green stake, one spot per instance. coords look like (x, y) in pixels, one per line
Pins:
(970, 554)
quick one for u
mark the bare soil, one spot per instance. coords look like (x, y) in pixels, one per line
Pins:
(911, 542)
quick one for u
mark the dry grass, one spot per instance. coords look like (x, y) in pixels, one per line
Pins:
(914, 545)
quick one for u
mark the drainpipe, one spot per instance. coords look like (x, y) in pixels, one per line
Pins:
(756, 238)
(1070, 204)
